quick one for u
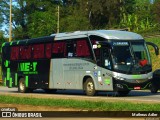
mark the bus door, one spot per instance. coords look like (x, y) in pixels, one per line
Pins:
(56, 74)
(70, 66)
(106, 81)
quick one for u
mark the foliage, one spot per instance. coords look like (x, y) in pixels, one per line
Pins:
(155, 59)
(73, 18)
(81, 104)
(2, 38)
(35, 18)
(141, 19)
(156, 13)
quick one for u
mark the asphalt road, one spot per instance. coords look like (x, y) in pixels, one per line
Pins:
(134, 96)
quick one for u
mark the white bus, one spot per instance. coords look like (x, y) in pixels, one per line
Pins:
(100, 60)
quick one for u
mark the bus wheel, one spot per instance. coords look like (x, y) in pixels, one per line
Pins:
(154, 89)
(123, 93)
(22, 87)
(89, 87)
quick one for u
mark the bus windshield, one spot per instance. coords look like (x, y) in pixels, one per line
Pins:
(131, 57)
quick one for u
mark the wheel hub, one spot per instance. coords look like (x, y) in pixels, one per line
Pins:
(90, 87)
(22, 86)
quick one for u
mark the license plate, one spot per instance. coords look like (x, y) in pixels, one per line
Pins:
(137, 88)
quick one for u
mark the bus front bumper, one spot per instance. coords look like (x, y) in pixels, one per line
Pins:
(120, 85)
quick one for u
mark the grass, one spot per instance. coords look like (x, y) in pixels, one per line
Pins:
(155, 59)
(83, 104)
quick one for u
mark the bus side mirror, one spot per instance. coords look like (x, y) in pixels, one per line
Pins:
(156, 49)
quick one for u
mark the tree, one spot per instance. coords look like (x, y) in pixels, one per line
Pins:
(101, 13)
(35, 18)
(32, 18)
(73, 17)
(156, 9)
(4, 14)
(42, 19)
(139, 18)
(2, 38)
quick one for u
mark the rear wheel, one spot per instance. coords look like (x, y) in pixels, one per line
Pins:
(22, 88)
(123, 93)
(89, 87)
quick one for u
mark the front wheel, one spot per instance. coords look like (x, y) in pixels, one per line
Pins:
(89, 87)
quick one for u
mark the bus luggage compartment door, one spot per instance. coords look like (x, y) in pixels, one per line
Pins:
(56, 74)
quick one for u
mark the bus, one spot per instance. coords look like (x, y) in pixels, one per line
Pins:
(92, 61)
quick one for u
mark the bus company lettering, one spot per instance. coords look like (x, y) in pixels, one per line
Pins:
(28, 67)
(76, 66)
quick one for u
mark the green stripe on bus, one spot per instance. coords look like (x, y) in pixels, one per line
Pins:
(6, 63)
(145, 87)
(3, 44)
(8, 73)
(16, 79)
(10, 82)
(136, 76)
(11, 43)
(26, 81)
(17, 42)
(4, 81)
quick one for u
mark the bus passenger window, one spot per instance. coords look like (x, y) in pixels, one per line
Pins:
(48, 50)
(14, 53)
(38, 51)
(82, 49)
(70, 49)
(28, 52)
(23, 52)
(58, 49)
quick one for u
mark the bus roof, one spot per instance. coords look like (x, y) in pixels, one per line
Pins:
(108, 34)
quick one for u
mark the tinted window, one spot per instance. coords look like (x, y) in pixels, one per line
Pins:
(25, 52)
(95, 39)
(70, 49)
(14, 53)
(58, 49)
(82, 49)
(38, 51)
(48, 50)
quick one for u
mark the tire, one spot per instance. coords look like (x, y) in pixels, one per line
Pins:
(50, 90)
(22, 87)
(123, 93)
(89, 87)
(154, 89)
